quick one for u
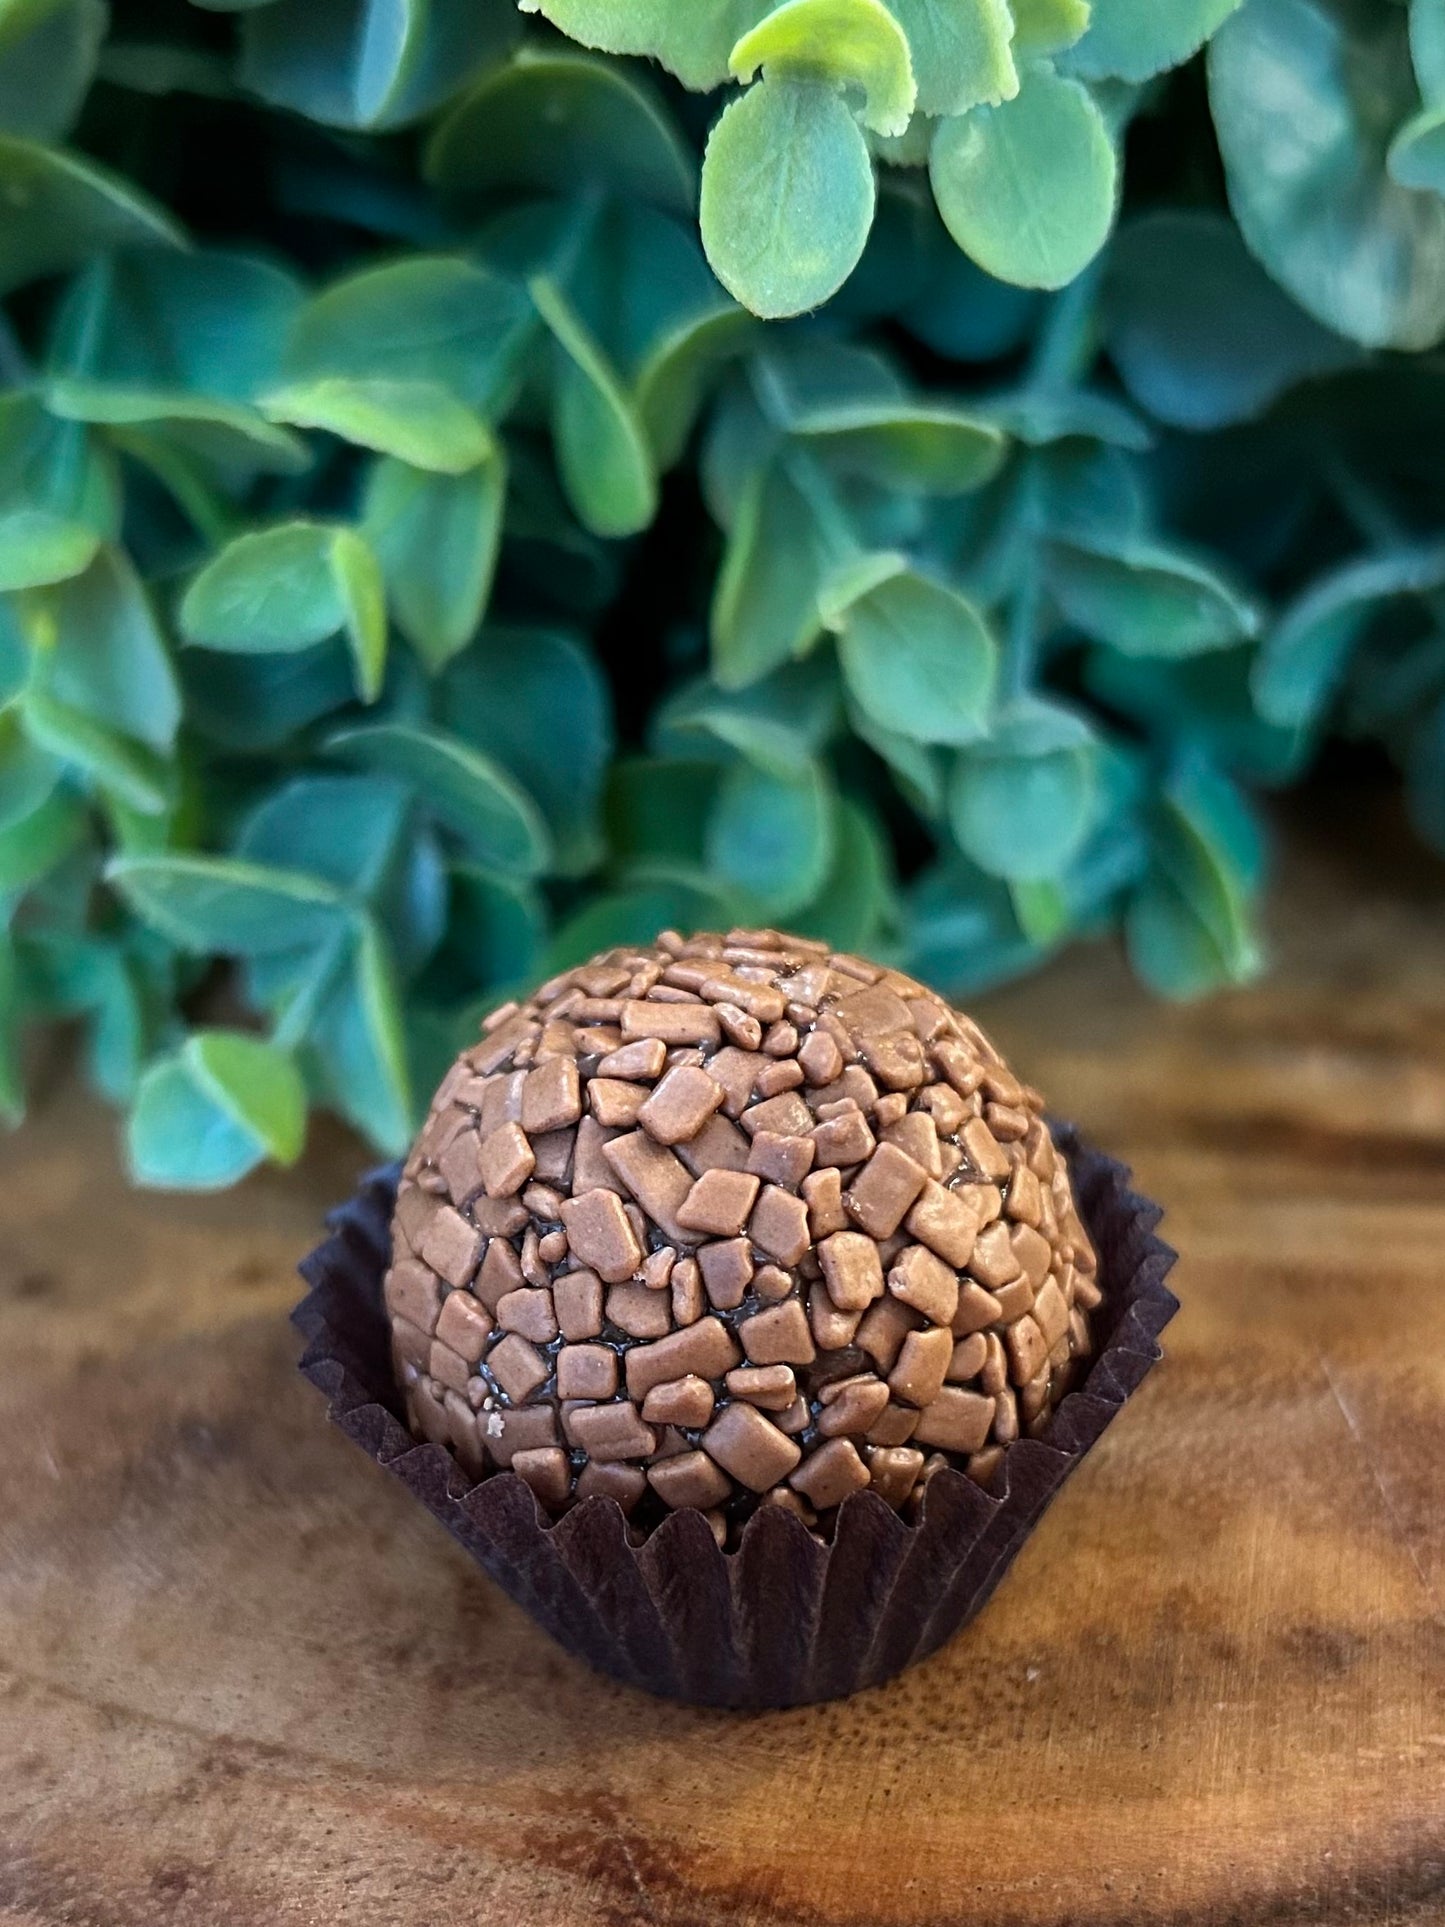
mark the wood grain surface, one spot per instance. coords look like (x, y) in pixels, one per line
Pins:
(243, 1679)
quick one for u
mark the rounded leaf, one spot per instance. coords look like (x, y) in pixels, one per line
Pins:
(370, 63)
(773, 839)
(553, 121)
(1022, 803)
(962, 53)
(437, 537)
(787, 196)
(269, 590)
(1201, 335)
(419, 422)
(429, 317)
(1306, 95)
(852, 43)
(918, 658)
(256, 1084)
(1136, 39)
(602, 452)
(1027, 189)
(1146, 600)
(60, 210)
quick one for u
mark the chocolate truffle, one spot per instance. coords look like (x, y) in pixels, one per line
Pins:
(730, 1221)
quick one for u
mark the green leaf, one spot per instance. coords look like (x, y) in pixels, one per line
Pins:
(848, 43)
(208, 904)
(1146, 600)
(1047, 26)
(774, 724)
(60, 210)
(765, 606)
(770, 839)
(117, 763)
(37, 841)
(932, 449)
(103, 653)
(419, 422)
(961, 51)
(433, 318)
(917, 656)
(208, 322)
(787, 196)
(222, 432)
(1022, 803)
(1306, 97)
(1209, 847)
(961, 930)
(437, 537)
(856, 902)
(464, 789)
(657, 811)
(1417, 153)
(495, 929)
(258, 703)
(256, 1084)
(1170, 945)
(274, 590)
(1427, 49)
(359, 1041)
(1027, 189)
(37, 547)
(692, 42)
(549, 122)
(363, 596)
(602, 453)
(1201, 335)
(670, 386)
(346, 830)
(537, 701)
(47, 61)
(1304, 656)
(179, 1138)
(370, 63)
(1136, 39)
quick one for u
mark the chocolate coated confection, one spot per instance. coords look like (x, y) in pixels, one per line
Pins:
(729, 1221)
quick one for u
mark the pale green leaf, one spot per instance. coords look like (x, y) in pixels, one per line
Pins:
(1027, 189)
(917, 656)
(787, 196)
(962, 54)
(418, 422)
(854, 44)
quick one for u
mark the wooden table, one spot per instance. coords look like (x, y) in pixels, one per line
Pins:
(243, 1679)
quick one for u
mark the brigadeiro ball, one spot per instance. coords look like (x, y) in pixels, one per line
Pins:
(730, 1222)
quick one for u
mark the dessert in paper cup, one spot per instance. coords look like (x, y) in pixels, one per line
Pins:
(740, 1310)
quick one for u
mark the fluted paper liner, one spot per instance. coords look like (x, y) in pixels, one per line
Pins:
(782, 1620)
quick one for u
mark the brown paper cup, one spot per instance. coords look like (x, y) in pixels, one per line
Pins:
(782, 1620)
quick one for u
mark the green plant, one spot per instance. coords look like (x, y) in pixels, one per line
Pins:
(419, 567)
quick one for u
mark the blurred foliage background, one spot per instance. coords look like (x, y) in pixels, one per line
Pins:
(475, 487)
